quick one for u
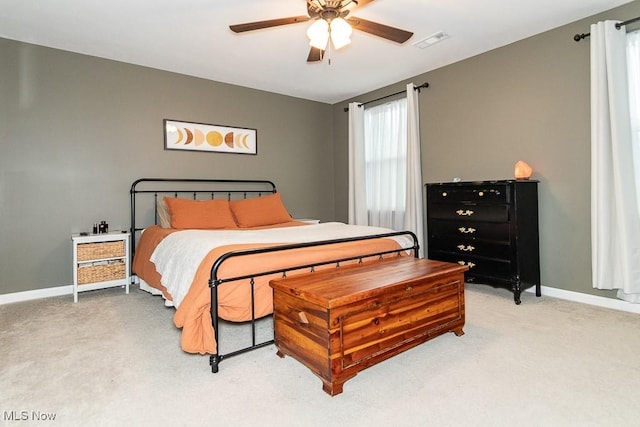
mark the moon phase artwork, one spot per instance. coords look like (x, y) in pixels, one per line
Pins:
(190, 136)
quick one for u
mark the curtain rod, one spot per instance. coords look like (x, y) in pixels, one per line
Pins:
(423, 85)
(579, 37)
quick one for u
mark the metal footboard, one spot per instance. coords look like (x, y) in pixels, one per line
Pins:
(215, 281)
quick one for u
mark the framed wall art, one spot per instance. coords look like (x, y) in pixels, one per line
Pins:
(179, 135)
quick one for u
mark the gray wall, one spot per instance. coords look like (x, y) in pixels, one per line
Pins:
(75, 131)
(525, 101)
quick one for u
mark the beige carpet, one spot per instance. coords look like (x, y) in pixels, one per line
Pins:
(114, 359)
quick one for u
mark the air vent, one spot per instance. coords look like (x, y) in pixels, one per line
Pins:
(432, 39)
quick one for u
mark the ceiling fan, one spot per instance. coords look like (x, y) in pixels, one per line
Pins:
(331, 22)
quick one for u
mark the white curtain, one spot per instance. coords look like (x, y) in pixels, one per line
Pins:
(414, 218)
(615, 222)
(357, 197)
(385, 167)
(633, 67)
(385, 135)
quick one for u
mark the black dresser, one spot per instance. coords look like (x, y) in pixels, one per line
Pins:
(490, 226)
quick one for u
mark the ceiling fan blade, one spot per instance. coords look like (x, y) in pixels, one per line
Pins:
(390, 33)
(315, 55)
(258, 25)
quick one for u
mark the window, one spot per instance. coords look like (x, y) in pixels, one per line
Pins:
(385, 150)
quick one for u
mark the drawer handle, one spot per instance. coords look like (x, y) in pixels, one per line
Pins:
(467, 248)
(469, 264)
(409, 288)
(466, 230)
(444, 194)
(464, 213)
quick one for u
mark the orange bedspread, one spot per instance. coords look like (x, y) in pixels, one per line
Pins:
(193, 315)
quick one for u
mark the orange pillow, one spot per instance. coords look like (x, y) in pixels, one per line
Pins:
(200, 214)
(257, 211)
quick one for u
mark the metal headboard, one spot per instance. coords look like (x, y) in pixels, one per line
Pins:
(150, 189)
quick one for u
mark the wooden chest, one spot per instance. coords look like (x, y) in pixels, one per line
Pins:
(338, 322)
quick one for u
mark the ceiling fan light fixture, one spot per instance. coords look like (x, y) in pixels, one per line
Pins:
(340, 33)
(318, 34)
(327, 21)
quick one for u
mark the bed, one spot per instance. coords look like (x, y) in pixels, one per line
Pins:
(211, 246)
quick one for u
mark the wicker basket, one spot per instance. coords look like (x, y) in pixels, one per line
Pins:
(101, 250)
(101, 273)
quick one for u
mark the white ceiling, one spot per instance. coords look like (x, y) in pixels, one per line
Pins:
(192, 37)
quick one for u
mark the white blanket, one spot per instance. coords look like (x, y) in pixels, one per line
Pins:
(179, 255)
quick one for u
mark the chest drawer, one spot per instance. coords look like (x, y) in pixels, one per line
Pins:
(486, 193)
(470, 212)
(465, 246)
(480, 267)
(470, 229)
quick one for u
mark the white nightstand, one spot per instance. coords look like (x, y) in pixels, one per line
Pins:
(100, 261)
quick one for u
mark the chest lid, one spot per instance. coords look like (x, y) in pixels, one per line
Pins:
(336, 287)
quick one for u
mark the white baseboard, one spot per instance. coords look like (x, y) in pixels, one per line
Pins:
(36, 294)
(612, 303)
(43, 293)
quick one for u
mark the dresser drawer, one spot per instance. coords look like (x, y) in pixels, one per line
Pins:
(469, 212)
(478, 266)
(465, 246)
(480, 230)
(487, 193)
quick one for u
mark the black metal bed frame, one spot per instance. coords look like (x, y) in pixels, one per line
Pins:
(241, 189)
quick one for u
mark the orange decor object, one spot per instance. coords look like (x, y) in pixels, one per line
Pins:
(522, 170)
